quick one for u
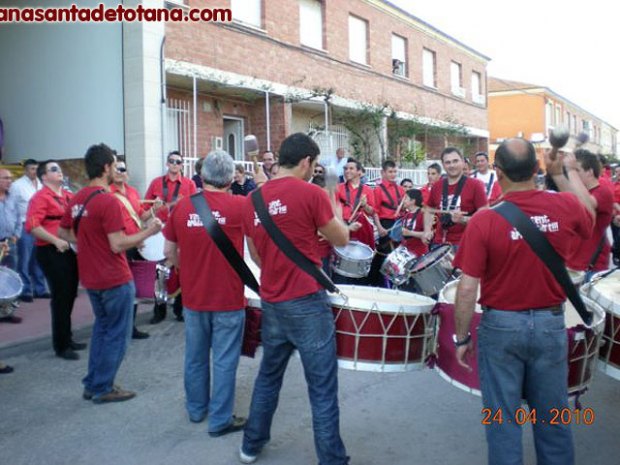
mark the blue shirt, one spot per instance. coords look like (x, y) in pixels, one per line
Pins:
(9, 218)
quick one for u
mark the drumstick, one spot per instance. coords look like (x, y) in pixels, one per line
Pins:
(438, 211)
(149, 200)
(400, 206)
(255, 163)
(355, 210)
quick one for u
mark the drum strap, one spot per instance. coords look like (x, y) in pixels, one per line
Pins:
(358, 196)
(78, 218)
(597, 252)
(545, 251)
(286, 246)
(410, 220)
(175, 194)
(392, 205)
(455, 197)
(222, 241)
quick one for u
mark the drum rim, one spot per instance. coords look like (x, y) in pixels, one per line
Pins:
(447, 249)
(337, 250)
(18, 279)
(595, 295)
(336, 300)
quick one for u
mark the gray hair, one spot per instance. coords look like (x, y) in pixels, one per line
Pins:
(218, 169)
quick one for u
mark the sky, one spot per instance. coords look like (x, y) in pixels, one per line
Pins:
(573, 50)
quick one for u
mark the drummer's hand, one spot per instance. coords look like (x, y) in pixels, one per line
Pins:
(458, 217)
(382, 231)
(363, 201)
(553, 163)
(61, 246)
(260, 177)
(427, 237)
(355, 226)
(570, 161)
(155, 226)
(464, 353)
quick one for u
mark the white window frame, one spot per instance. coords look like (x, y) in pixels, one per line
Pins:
(399, 52)
(456, 79)
(476, 88)
(429, 65)
(248, 12)
(358, 31)
(311, 23)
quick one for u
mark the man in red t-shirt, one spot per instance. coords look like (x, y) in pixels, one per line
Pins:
(134, 214)
(213, 297)
(593, 254)
(354, 196)
(433, 173)
(522, 343)
(296, 313)
(457, 196)
(56, 258)
(94, 220)
(413, 223)
(171, 187)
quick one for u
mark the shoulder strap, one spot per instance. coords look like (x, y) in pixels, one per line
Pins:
(545, 251)
(597, 252)
(455, 197)
(222, 241)
(127, 204)
(287, 246)
(78, 218)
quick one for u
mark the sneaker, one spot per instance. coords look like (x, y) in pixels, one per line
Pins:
(236, 424)
(137, 334)
(115, 395)
(246, 458)
(77, 345)
(88, 395)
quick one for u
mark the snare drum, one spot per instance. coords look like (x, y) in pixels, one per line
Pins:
(10, 289)
(398, 265)
(353, 260)
(381, 330)
(605, 291)
(153, 249)
(433, 270)
(577, 277)
(583, 345)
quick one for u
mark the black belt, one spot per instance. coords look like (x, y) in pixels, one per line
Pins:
(555, 310)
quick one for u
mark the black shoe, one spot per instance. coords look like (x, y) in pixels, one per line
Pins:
(68, 354)
(159, 314)
(26, 298)
(137, 334)
(77, 345)
(6, 369)
(45, 295)
(179, 318)
(236, 424)
(11, 319)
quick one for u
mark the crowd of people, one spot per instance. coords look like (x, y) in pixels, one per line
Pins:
(90, 236)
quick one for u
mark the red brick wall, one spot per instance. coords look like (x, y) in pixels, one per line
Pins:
(276, 55)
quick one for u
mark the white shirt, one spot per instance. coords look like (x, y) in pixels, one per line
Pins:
(486, 179)
(22, 190)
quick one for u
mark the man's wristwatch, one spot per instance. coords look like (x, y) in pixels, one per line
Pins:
(462, 342)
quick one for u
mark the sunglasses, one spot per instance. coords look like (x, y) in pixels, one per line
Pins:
(175, 161)
(318, 171)
(121, 170)
(53, 169)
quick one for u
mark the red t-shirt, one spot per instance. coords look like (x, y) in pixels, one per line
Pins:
(46, 209)
(426, 193)
(415, 223)
(99, 267)
(298, 209)
(616, 186)
(348, 201)
(386, 205)
(472, 198)
(156, 191)
(132, 195)
(512, 277)
(208, 280)
(584, 251)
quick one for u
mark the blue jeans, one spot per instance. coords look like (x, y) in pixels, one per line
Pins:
(219, 333)
(524, 355)
(28, 266)
(113, 309)
(305, 324)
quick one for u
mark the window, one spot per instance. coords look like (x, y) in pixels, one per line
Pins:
(358, 40)
(311, 23)
(558, 115)
(247, 11)
(575, 124)
(569, 122)
(476, 88)
(428, 68)
(399, 56)
(456, 79)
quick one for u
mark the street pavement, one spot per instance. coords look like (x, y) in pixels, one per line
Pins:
(386, 419)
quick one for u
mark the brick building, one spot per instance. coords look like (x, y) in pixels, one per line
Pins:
(530, 111)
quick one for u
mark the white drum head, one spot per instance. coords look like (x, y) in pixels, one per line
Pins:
(448, 295)
(153, 249)
(383, 300)
(606, 291)
(10, 285)
(355, 250)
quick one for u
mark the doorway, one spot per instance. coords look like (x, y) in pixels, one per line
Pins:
(233, 137)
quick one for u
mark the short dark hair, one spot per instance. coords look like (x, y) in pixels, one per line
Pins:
(388, 164)
(175, 152)
(42, 168)
(295, 148)
(406, 180)
(415, 194)
(319, 180)
(434, 166)
(97, 158)
(358, 165)
(29, 162)
(482, 154)
(198, 165)
(588, 161)
(448, 150)
(518, 166)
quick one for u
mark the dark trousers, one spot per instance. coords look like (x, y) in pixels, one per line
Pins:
(615, 232)
(384, 247)
(61, 272)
